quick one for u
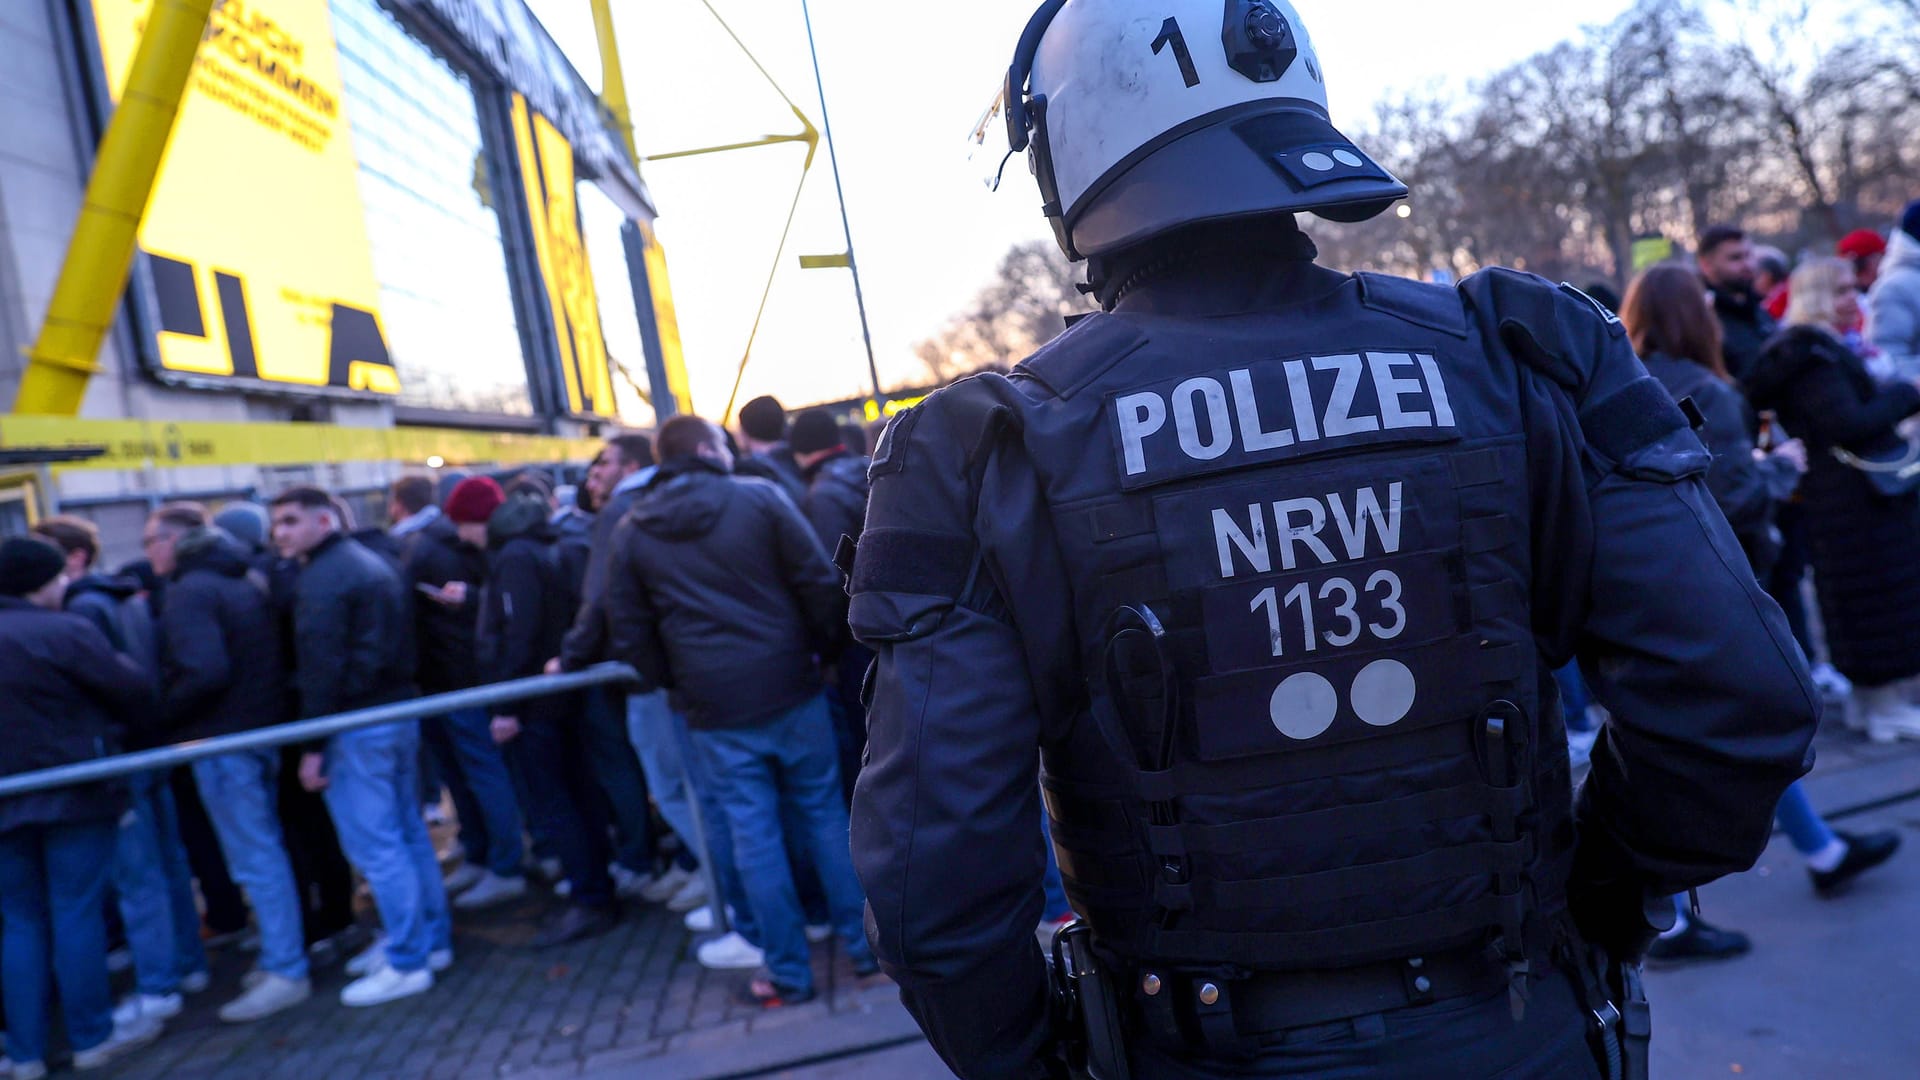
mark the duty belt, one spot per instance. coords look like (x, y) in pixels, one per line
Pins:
(1229, 1010)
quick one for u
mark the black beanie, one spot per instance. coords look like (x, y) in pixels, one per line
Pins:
(1910, 221)
(27, 563)
(813, 431)
(764, 419)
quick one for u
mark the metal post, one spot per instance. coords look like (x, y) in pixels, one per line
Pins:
(840, 194)
(65, 357)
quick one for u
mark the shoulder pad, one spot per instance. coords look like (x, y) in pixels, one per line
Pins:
(1545, 326)
(1082, 354)
(1435, 307)
(959, 418)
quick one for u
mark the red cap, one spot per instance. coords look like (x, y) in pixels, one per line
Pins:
(1861, 243)
(474, 500)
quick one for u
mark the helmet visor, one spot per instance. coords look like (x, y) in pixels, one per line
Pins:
(988, 148)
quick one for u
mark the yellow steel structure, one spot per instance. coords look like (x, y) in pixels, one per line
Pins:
(139, 444)
(613, 79)
(87, 294)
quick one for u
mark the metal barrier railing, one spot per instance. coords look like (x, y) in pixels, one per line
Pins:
(167, 757)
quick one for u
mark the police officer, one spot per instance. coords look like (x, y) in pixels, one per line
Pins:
(1271, 565)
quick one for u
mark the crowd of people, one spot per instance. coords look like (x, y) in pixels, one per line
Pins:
(1804, 379)
(719, 785)
(694, 557)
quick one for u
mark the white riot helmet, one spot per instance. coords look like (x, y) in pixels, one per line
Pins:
(1139, 118)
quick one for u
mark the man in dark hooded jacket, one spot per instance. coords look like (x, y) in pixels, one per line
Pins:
(713, 576)
(151, 879)
(525, 609)
(222, 674)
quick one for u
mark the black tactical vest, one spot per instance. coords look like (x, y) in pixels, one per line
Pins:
(1299, 548)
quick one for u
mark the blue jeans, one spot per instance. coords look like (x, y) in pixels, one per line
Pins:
(373, 776)
(665, 747)
(1802, 823)
(241, 792)
(562, 801)
(53, 894)
(471, 764)
(155, 890)
(787, 766)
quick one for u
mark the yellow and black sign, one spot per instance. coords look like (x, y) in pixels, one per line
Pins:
(256, 235)
(672, 358)
(546, 167)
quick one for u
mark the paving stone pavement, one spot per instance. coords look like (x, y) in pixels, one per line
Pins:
(612, 1004)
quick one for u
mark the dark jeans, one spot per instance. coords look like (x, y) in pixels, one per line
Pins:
(53, 889)
(763, 777)
(603, 736)
(561, 798)
(320, 869)
(849, 714)
(1783, 584)
(469, 763)
(1475, 1037)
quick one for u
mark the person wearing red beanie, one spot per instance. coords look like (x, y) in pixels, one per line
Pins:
(1865, 248)
(473, 501)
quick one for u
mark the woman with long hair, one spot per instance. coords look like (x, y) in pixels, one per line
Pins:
(1864, 533)
(1675, 331)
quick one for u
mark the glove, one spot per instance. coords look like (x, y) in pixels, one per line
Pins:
(1622, 918)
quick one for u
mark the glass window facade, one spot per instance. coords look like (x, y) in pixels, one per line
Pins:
(445, 298)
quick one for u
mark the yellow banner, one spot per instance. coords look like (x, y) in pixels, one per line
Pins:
(546, 166)
(666, 321)
(256, 234)
(137, 444)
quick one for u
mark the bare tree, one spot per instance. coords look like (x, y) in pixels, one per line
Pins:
(1027, 303)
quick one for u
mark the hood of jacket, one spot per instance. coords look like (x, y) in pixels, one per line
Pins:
(517, 517)
(685, 501)
(1903, 253)
(211, 549)
(1788, 355)
(115, 589)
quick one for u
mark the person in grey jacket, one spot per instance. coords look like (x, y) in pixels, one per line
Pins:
(1894, 327)
(353, 648)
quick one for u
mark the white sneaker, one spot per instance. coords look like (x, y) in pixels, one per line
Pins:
(465, 878)
(125, 1037)
(370, 960)
(730, 953)
(384, 986)
(691, 895)
(270, 994)
(196, 983)
(150, 1006)
(1886, 714)
(628, 885)
(818, 932)
(663, 887)
(491, 890)
(1830, 682)
(701, 920)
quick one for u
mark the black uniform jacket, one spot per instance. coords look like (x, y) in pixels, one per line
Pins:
(1634, 570)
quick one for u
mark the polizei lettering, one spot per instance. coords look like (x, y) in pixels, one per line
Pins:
(1278, 410)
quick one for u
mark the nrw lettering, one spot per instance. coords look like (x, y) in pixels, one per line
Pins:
(1323, 402)
(1363, 526)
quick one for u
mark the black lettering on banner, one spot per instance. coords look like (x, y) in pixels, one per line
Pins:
(1170, 34)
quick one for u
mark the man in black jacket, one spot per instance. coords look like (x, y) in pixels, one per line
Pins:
(714, 578)
(836, 507)
(1726, 264)
(353, 649)
(222, 673)
(445, 576)
(151, 879)
(525, 609)
(68, 698)
(765, 450)
(630, 758)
